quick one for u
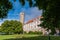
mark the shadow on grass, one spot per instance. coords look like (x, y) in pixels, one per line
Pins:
(30, 38)
(37, 38)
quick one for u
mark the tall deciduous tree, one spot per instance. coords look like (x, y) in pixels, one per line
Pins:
(11, 27)
(5, 5)
(51, 12)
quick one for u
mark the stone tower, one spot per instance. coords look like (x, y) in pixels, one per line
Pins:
(22, 17)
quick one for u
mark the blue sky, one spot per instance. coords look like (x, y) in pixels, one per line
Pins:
(14, 13)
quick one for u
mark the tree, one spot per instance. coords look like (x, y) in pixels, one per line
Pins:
(5, 5)
(51, 12)
(10, 27)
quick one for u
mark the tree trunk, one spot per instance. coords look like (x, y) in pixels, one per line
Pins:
(59, 32)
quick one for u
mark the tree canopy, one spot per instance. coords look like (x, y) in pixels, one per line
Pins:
(5, 5)
(11, 27)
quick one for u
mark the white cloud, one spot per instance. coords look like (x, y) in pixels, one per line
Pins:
(32, 13)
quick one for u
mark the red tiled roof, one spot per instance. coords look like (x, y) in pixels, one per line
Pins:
(30, 21)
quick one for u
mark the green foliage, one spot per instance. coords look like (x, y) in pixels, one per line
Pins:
(40, 33)
(22, 2)
(5, 5)
(51, 15)
(35, 33)
(11, 27)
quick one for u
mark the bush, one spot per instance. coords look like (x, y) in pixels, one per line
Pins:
(33, 32)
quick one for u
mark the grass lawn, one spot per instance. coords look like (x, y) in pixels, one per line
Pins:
(28, 37)
(16, 36)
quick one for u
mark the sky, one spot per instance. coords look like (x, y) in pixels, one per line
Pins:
(14, 13)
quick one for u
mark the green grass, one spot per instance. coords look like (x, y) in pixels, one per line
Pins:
(16, 36)
(55, 37)
(28, 37)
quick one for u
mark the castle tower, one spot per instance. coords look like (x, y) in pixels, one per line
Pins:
(22, 17)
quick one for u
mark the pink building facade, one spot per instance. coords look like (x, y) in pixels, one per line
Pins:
(32, 25)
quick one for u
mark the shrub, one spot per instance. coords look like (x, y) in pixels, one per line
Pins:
(33, 32)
